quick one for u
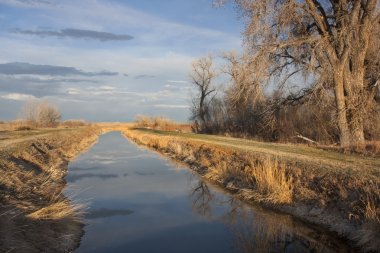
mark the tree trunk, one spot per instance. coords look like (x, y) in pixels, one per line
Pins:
(356, 98)
(357, 105)
(358, 136)
(344, 131)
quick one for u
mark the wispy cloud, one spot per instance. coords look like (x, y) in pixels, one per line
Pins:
(29, 3)
(76, 34)
(18, 96)
(107, 87)
(73, 91)
(178, 81)
(22, 68)
(46, 80)
(77, 39)
(144, 76)
(171, 106)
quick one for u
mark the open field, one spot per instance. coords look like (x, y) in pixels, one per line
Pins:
(338, 191)
(35, 216)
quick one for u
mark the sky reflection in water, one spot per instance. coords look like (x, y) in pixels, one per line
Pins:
(141, 203)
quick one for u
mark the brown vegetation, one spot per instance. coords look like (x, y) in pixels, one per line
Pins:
(160, 123)
(311, 188)
(35, 216)
(15, 125)
(74, 123)
(323, 58)
(41, 114)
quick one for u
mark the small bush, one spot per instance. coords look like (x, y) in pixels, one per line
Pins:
(74, 123)
(16, 125)
(159, 123)
(23, 128)
(39, 113)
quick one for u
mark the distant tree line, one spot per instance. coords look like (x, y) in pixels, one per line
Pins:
(330, 48)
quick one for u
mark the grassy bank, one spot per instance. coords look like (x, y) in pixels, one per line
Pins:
(35, 216)
(337, 191)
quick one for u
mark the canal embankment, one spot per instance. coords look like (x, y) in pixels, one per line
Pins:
(339, 192)
(35, 215)
(141, 201)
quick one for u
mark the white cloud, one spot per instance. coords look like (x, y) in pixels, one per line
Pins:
(106, 87)
(73, 91)
(18, 96)
(169, 64)
(177, 81)
(172, 106)
(161, 48)
(30, 3)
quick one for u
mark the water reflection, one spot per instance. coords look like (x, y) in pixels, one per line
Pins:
(71, 178)
(86, 168)
(201, 198)
(261, 231)
(142, 173)
(104, 213)
(143, 203)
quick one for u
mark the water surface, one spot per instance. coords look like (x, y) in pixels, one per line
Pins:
(140, 202)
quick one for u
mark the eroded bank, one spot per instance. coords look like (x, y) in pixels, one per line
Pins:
(35, 216)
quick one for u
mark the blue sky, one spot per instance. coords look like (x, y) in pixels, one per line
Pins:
(108, 60)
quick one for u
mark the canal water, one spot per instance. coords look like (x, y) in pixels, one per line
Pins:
(140, 202)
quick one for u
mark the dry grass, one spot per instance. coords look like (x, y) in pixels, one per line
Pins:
(15, 125)
(373, 147)
(368, 236)
(63, 209)
(272, 183)
(36, 213)
(74, 123)
(266, 178)
(372, 209)
(160, 123)
(325, 184)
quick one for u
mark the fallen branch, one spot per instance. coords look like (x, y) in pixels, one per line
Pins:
(306, 139)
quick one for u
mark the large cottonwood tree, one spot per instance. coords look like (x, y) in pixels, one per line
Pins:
(325, 40)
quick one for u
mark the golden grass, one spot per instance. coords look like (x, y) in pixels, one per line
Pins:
(272, 183)
(368, 236)
(316, 179)
(15, 125)
(63, 209)
(266, 178)
(372, 209)
(74, 123)
(160, 123)
(32, 168)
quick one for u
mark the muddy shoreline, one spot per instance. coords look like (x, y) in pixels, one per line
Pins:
(35, 216)
(327, 217)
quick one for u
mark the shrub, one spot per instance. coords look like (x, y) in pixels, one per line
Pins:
(39, 113)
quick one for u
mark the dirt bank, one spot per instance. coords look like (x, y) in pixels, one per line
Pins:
(35, 216)
(341, 198)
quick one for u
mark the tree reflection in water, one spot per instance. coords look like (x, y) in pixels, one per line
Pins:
(201, 198)
(257, 230)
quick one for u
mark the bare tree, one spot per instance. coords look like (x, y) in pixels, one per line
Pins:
(30, 112)
(41, 113)
(245, 91)
(202, 76)
(49, 115)
(325, 40)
